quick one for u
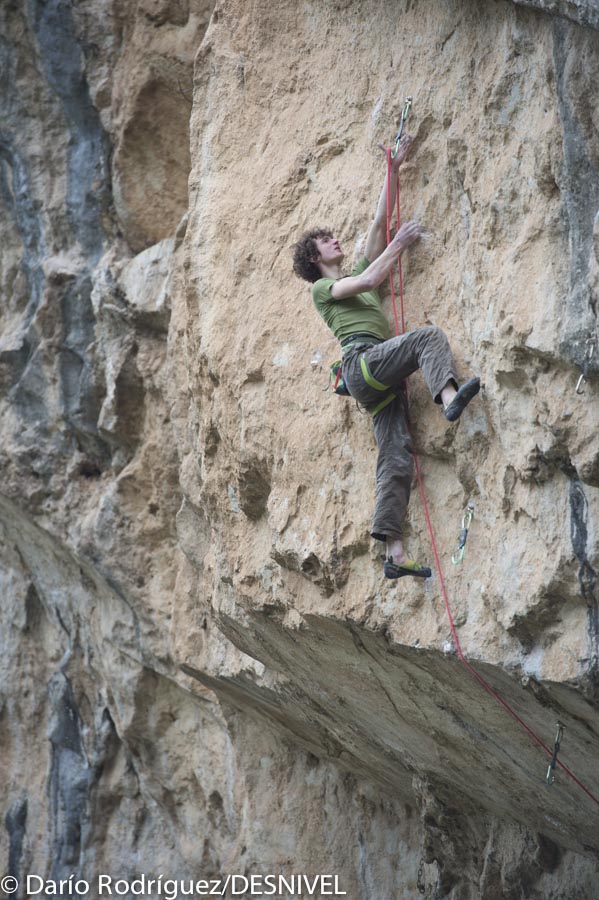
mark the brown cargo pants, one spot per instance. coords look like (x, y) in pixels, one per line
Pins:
(374, 373)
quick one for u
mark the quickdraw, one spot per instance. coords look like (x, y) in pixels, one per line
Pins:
(590, 350)
(420, 883)
(550, 777)
(466, 522)
(402, 122)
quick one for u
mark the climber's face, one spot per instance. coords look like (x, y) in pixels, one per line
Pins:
(329, 250)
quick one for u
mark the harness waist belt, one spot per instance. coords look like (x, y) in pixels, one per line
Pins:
(361, 337)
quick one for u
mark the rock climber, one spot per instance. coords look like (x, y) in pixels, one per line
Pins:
(375, 364)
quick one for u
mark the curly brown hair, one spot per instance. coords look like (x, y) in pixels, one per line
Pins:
(305, 252)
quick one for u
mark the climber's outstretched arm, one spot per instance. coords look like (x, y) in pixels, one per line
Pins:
(377, 236)
(378, 270)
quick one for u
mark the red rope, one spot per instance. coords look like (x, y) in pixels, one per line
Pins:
(394, 304)
(470, 668)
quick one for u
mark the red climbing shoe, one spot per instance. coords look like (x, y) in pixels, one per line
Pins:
(407, 567)
(461, 400)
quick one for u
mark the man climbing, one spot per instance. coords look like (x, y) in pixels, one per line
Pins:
(376, 364)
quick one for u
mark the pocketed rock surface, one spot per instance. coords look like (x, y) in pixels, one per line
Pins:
(203, 670)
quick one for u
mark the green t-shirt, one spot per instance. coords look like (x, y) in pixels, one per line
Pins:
(360, 314)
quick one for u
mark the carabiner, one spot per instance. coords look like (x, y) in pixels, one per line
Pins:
(466, 523)
(402, 122)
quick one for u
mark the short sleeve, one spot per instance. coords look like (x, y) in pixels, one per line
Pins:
(321, 290)
(360, 266)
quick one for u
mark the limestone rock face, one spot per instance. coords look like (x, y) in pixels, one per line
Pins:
(203, 670)
(584, 12)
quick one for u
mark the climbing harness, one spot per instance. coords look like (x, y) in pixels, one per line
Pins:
(466, 522)
(484, 684)
(589, 352)
(377, 386)
(336, 380)
(550, 778)
(339, 386)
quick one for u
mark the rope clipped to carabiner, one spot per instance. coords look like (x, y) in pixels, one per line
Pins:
(550, 777)
(466, 522)
(402, 122)
(590, 350)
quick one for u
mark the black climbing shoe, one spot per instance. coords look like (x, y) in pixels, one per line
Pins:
(461, 400)
(408, 567)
